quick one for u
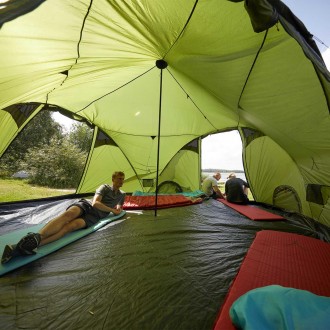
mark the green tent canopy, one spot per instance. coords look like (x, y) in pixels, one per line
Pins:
(250, 66)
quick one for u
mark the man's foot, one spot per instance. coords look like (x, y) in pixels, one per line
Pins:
(29, 243)
(9, 252)
(25, 246)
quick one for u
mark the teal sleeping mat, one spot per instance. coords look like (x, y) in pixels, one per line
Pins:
(15, 236)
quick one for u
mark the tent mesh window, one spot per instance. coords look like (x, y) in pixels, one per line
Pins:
(103, 139)
(317, 193)
(147, 182)
(192, 146)
(286, 197)
(21, 112)
(169, 187)
(250, 135)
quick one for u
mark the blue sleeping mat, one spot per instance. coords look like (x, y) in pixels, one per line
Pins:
(15, 236)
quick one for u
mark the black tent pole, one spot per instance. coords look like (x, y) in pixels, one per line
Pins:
(161, 64)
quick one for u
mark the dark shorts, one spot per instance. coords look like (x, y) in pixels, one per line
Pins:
(214, 195)
(244, 200)
(90, 215)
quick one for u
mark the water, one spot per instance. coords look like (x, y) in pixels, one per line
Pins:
(224, 175)
(238, 175)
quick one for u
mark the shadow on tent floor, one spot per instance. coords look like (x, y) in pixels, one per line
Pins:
(169, 272)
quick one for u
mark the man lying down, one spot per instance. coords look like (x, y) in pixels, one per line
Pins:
(79, 215)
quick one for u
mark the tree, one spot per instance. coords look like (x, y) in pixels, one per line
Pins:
(36, 133)
(81, 135)
(59, 164)
(51, 157)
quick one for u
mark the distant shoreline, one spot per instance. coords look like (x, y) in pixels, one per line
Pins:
(208, 172)
(214, 170)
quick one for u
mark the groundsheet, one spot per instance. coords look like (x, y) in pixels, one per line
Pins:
(172, 271)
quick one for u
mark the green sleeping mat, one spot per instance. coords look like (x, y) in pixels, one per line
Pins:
(15, 236)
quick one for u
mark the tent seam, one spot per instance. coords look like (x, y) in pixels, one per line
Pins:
(188, 96)
(183, 29)
(66, 73)
(252, 66)
(99, 98)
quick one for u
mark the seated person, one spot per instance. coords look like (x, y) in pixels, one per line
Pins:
(210, 186)
(236, 190)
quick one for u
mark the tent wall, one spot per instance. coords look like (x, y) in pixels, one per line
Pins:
(106, 157)
(184, 168)
(266, 179)
(260, 156)
(13, 119)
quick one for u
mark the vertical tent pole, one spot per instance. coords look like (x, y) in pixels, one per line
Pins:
(161, 64)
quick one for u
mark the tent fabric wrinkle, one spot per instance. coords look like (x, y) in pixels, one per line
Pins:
(140, 273)
(249, 65)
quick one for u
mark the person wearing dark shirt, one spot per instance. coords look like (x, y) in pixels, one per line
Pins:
(236, 190)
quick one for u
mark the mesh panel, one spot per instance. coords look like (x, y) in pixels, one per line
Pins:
(286, 197)
(169, 187)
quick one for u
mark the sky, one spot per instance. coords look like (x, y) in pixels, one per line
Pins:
(224, 150)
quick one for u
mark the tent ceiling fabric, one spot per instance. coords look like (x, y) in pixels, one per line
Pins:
(97, 59)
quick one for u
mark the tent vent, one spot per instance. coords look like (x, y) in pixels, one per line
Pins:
(169, 187)
(318, 194)
(20, 112)
(103, 139)
(146, 183)
(192, 146)
(286, 197)
(250, 135)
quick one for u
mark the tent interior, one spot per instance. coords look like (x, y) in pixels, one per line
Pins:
(141, 272)
(153, 78)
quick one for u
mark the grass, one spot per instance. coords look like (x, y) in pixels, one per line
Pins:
(19, 190)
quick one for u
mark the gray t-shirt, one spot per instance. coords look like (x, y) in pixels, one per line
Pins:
(110, 197)
(208, 185)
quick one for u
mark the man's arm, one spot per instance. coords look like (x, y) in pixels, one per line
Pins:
(245, 187)
(218, 192)
(97, 203)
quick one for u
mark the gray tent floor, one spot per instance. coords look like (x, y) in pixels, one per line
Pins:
(143, 272)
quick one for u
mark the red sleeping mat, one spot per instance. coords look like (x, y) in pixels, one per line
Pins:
(163, 201)
(285, 259)
(253, 212)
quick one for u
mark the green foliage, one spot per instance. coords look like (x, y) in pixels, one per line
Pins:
(81, 135)
(38, 132)
(59, 164)
(52, 157)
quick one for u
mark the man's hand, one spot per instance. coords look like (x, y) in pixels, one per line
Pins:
(219, 193)
(97, 203)
(117, 210)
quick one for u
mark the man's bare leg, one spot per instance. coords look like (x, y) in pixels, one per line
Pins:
(67, 222)
(67, 228)
(57, 224)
